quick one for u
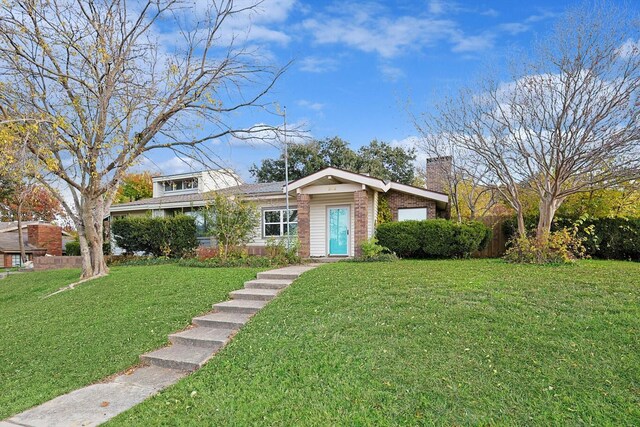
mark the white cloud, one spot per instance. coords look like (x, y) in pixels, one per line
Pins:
(392, 73)
(315, 106)
(474, 43)
(314, 64)
(514, 28)
(436, 7)
(629, 48)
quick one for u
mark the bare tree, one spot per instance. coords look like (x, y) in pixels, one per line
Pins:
(464, 174)
(111, 80)
(568, 120)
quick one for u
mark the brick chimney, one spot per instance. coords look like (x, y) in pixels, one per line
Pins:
(436, 173)
(46, 236)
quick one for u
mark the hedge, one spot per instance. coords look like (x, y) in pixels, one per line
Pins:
(170, 236)
(436, 238)
(612, 238)
(72, 248)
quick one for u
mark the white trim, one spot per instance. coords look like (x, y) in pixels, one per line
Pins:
(363, 180)
(330, 172)
(330, 189)
(419, 192)
(328, 229)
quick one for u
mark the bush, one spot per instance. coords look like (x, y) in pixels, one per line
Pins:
(249, 261)
(561, 247)
(277, 250)
(437, 238)
(173, 237)
(72, 248)
(204, 253)
(606, 238)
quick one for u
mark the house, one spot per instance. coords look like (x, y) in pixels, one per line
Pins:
(39, 239)
(332, 211)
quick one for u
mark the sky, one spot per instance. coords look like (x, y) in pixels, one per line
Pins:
(361, 68)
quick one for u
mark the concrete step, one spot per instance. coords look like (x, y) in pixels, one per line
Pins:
(222, 320)
(279, 275)
(240, 306)
(255, 294)
(212, 338)
(182, 357)
(267, 284)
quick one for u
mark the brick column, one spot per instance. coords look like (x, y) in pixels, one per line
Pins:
(360, 199)
(304, 226)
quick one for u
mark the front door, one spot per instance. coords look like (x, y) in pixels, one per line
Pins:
(339, 222)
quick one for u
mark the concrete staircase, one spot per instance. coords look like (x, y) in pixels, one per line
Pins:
(193, 347)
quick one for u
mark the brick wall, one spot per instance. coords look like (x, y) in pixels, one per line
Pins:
(304, 225)
(436, 172)
(46, 236)
(399, 200)
(360, 201)
(56, 262)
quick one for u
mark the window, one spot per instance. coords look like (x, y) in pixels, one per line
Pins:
(274, 222)
(15, 260)
(181, 184)
(413, 214)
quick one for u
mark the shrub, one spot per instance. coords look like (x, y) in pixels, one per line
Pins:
(607, 238)
(433, 238)
(561, 247)
(371, 248)
(204, 253)
(72, 248)
(169, 237)
(277, 250)
(249, 261)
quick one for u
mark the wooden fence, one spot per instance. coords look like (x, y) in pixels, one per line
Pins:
(498, 243)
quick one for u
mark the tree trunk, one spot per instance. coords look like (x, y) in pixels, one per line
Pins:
(23, 254)
(92, 238)
(522, 230)
(548, 207)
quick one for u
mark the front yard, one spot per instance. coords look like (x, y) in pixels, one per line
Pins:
(51, 346)
(426, 342)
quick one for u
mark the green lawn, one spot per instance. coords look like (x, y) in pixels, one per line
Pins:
(51, 346)
(426, 342)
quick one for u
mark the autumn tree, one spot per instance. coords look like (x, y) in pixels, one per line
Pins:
(110, 80)
(567, 122)
(135, 186)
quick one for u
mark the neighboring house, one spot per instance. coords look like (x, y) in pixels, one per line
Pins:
(333, 211)
(39, 239)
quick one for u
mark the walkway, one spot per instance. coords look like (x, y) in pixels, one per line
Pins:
(189, 350)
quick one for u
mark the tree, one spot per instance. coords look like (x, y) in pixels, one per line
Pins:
(135, 186)
(384, 161)
(567, 123)
(36, 203)
(231, 222)
(105, 88)
(379, 159)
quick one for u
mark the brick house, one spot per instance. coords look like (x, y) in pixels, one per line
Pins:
(332, 211)
(40, 239)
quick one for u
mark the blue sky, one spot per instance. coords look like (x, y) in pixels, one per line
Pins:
(359, 66)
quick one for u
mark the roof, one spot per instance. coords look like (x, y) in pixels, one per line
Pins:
(249, 190)
(9, 243)
(13, 226)
(375, 183)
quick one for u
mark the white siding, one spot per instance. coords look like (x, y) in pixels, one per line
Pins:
(318, 220)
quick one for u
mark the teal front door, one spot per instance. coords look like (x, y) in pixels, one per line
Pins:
(339, 221)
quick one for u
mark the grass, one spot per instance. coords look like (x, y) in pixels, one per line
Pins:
(51, 346)
(426, 342)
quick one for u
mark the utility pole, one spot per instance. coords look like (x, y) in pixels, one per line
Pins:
(286, 174)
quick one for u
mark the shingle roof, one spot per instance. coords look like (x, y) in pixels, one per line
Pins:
(9, 243)
(242, 189)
